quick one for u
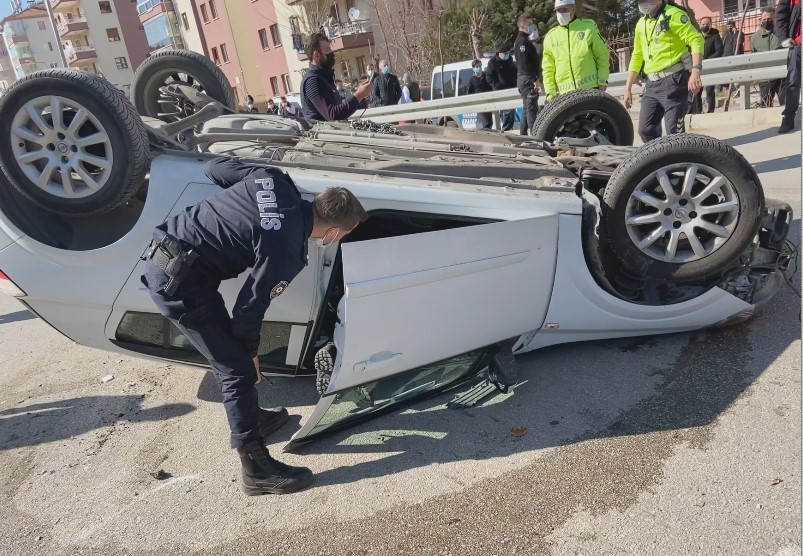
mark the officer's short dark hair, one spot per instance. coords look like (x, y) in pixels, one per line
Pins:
(337, 206)
(476, 63)
(314, 44)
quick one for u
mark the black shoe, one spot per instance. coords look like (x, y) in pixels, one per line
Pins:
(324, 365)
(787, 125)
(264, 475)
(271, 420)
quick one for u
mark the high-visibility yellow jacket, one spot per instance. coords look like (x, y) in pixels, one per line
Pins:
(662, 41)
(575, 58)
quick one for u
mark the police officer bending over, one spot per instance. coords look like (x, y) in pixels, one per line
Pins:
(258, 221)
(664, 34)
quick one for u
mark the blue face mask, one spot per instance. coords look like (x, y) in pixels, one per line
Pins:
(531, 29)
(386, 70)
(506, 56)
(478, 70)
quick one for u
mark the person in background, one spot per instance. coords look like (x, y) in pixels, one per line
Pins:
(478, 84)
(411, 92)
(575, 55)
(664, 35)
(386, 88)
(319, 99)
(787, 27)
(528, 64)
(501, 74)
(341, 89)
(729, 40)
(713, 49)
(272, 109)
(250, 105)
(285, 108)
(765, 40)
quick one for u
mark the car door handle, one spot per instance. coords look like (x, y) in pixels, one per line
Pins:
(377, 361)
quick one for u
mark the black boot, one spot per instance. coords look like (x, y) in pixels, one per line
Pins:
(787, 125)
(271, 420)
(264, 475)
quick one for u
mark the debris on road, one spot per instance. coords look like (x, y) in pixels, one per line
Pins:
(161, 475)
(107, 378)
(518, 431)
(776, 482)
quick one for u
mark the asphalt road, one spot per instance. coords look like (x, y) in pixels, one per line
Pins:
(682, 444)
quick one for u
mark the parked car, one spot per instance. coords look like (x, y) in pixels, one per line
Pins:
(478, 246)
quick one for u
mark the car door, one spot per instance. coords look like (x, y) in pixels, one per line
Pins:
(135, 324)
(419, 309)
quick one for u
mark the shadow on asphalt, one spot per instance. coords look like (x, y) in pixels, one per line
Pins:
(41, 423)
(752, 137)
(17, 316)
(777, 164)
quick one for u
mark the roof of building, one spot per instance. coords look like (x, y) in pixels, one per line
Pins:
(31, 12)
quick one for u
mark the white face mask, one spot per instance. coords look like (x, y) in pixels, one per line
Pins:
(647, 8)
(564, 19)
(320, 241)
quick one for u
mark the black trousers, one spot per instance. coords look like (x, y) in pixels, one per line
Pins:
(198, 311)
(666, 99)
(710, 100)
(529, 103)
(508, 118)
(768, 90)
(792, 83)
(485, 120)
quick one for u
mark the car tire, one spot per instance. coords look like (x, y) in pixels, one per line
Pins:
(575, 114)
(64, 166)
(714, 197)
(181, 66)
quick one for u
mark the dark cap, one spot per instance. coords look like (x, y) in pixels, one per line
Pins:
(502, 48)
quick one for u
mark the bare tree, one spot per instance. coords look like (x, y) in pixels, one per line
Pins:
(478, 18)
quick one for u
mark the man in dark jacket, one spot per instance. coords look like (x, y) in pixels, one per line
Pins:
(764, 40)
(478, 84)
(528, 78)
(320, 100)
(729, 41)
(502, 74)
(713, 49)
(386, 88)
(787, 27)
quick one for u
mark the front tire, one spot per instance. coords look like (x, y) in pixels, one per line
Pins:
(578, 113)
(683, 207)
(71, 143)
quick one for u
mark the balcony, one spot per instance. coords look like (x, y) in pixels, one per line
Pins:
(61, 4)
(75, 26)
(16, 38)
(151, 8)
(354, 34)
(80, 53)
(170, 43)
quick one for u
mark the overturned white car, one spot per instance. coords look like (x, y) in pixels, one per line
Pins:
(478, 245)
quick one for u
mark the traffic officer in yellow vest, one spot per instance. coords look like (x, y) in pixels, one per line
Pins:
(664, 35)
(575, 56)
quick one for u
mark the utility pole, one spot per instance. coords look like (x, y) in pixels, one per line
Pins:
(55, 33)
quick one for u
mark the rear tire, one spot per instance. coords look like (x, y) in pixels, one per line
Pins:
(575, 114)
(182, 67)
(676, 187)
(63, 165)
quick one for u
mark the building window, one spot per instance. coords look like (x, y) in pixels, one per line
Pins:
(361, 66)
(213, 9)
(50, 46)
(185, 21)
(215, 57)
(113, 34)
(288, 88)
(274, 34)
(105, 8)
(295, 27)
(263, 39)
(274, 85)
(224, 53)
(121, 62)
(204, 14)
(53, 65)
(41, 25)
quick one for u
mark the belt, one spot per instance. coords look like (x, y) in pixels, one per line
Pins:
(174, 258)
(671, 70)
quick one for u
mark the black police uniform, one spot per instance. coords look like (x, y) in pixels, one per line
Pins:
(258, 221)
(529, 71)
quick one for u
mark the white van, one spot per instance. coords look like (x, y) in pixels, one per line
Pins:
(452, 82)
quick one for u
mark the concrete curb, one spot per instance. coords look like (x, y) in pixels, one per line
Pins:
(759, 117)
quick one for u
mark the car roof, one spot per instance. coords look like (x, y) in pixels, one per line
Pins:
(465, 64)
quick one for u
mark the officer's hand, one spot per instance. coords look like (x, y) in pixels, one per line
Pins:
(603, 88)
(256, 366)
(537, 85)
(695, 84)
(628, 100)
(363, 90)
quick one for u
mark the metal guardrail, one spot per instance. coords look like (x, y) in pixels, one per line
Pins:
(744, 68)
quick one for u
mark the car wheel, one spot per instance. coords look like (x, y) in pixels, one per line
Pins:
(578, 113)
(682, 207)
(149, 89)
(71, 143)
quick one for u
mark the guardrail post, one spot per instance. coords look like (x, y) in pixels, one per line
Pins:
(497, 120)
(745, 96)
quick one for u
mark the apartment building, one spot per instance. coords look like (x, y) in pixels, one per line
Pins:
(102, 36)
(243, 38)
(7, 75)
(190, 26)
(170, 24)
(29, 41)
